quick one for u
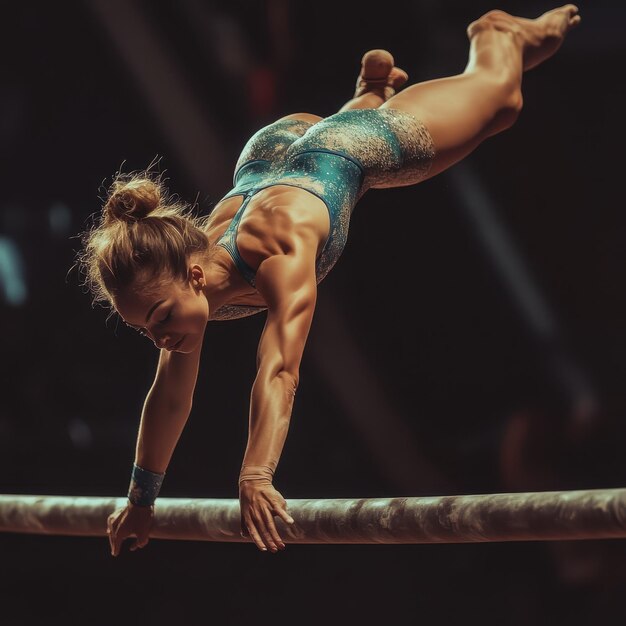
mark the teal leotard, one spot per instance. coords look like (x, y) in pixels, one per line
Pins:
(337, 159)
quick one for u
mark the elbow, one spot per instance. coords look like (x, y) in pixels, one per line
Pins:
(279, 376)
(289, 381)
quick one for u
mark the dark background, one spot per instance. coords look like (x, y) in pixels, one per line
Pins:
(476, 320)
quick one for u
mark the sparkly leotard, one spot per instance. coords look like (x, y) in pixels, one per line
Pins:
(337, 159)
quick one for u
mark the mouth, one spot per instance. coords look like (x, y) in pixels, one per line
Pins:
(177, 345)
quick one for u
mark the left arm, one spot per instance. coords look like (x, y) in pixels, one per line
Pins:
(287, 282)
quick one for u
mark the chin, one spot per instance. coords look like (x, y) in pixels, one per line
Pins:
(188, 345)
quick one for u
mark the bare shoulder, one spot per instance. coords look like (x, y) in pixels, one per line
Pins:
(286, 279)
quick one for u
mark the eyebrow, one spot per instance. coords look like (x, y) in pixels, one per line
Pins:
(154, 306)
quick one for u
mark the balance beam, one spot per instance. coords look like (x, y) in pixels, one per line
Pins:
(534, 516)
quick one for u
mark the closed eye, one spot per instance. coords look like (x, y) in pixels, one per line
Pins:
(166, 318)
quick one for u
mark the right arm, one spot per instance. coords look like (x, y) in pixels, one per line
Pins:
(165, 413)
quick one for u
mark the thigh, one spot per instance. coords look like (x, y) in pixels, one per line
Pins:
(458, 111)
(389, 148)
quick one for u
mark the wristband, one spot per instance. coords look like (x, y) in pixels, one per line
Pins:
(144, 486)
(256, 472)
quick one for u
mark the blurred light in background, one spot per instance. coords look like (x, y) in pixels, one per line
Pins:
(59, 219)
(80, 433)
(12, 283)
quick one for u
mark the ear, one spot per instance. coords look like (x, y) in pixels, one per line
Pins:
(196, 276)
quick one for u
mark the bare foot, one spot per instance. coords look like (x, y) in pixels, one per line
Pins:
(396, 79)
(379, 75)
(541, 37)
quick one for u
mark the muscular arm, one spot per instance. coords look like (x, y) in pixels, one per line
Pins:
(166, 409)
(287, 283)
(164, 416)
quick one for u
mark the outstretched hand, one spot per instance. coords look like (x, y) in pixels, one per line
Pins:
(131, 521)
(260, 503)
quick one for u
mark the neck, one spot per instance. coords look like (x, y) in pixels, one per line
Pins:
(221, 286)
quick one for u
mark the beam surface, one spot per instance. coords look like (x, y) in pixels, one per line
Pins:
(535, 516)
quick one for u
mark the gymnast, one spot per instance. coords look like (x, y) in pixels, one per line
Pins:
(268, 243)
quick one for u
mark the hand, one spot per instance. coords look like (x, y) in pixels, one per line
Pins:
(131, 521)
(260, 502)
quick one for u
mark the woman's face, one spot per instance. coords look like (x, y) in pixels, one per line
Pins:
(174, 316)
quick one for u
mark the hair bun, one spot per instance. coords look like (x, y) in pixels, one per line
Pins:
(132, 200)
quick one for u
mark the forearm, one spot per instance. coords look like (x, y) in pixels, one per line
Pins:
(162, 423)
(271, 404)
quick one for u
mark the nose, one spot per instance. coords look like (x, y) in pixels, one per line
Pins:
(161, 341)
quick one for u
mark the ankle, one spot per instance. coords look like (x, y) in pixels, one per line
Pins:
(495, 20)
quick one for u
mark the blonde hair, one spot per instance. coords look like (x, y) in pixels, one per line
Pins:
(142, 238)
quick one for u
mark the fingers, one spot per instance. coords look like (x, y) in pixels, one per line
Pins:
(282, 513)
(254, 534)
(260, 504)
(139, 543)
(120, 527)
(112, 526)
(267, 540)
(244, 530)
(276, 543)
(261, 528)
(264, 535)
(117, 539)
